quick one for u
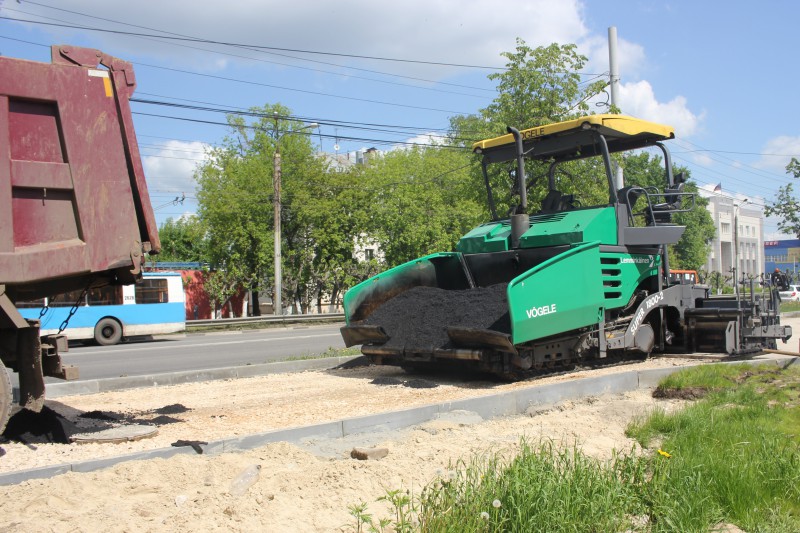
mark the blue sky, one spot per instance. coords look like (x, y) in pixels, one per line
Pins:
(722, 73)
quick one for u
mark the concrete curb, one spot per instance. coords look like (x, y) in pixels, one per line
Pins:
(495, 405)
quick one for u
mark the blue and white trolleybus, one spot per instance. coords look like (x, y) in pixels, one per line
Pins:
(108, 314)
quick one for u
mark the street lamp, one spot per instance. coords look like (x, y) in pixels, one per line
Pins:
(277, 306)
(736, 243)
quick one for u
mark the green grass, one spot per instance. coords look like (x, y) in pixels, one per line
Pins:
(712, 378)
(789, 307)
(732, 457)
(330, 352)
(737, 451)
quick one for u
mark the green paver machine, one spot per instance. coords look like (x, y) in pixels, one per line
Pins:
(560, 282)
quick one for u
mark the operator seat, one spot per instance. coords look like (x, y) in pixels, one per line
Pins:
(551, 202)
(673, 198)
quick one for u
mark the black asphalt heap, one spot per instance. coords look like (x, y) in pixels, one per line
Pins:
(418, 319)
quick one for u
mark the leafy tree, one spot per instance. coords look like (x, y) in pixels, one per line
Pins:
(333, 211)
(221, 286)
(183, 239)
(538, 86)
(320, 213)
(236, 190)
(422, 201)
(786, 206)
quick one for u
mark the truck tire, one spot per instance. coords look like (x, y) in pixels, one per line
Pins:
(107, 332)
(5, 397)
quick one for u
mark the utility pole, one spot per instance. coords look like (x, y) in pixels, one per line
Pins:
(276, 204)
(277, 305)
(614, 85)
(612, 65)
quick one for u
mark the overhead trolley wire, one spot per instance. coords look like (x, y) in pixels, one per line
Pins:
(179, 37)
(250, 58)
(253, 46)
(310, 134)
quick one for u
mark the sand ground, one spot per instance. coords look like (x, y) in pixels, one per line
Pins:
(307, 487)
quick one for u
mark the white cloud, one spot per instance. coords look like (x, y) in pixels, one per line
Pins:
(638, 99)
(171, 168)
(429, 139)
(702, 159)
(442, 30)
(778, 152)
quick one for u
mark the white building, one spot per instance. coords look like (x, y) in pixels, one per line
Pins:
(739, 225)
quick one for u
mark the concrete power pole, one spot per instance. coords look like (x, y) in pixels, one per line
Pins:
(612, 65)
(614, 85)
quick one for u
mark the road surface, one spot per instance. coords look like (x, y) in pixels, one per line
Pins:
(201, 351)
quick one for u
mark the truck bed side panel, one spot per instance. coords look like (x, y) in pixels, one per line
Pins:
(72, 193)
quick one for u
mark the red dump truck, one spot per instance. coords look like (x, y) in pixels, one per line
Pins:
(74, 209)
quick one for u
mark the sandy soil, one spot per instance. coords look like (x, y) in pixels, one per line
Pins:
(308, 487)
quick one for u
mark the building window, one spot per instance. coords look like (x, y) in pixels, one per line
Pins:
(369, 254)
(725, 228)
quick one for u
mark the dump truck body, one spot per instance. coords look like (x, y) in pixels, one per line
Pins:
(557, 284)
(74, 208)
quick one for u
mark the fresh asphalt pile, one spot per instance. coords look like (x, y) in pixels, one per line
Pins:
(418, 319)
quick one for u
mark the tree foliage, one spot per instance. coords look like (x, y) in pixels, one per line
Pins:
(540, 86)
(785, 206)
(235, 193)
(183, 239)
(421, 201)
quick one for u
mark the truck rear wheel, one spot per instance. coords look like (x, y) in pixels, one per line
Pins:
(107, 332)
(5, 397)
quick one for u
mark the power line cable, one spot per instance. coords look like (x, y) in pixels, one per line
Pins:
(395, 130)
(180, 37)
(279, 87)
(310, 134)
(383, 73)
(259, 47)
(304, 91)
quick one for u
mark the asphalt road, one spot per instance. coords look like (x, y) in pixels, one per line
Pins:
(219, 350)
(201, 351)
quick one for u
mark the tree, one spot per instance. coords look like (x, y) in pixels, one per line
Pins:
(235, 193)
(221, 286)
(333, 212)
(538, 86)
(422, 201)
(183, 239)
(786, 206)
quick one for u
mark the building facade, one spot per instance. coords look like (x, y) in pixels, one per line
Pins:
(784, 255)
(739, 240)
